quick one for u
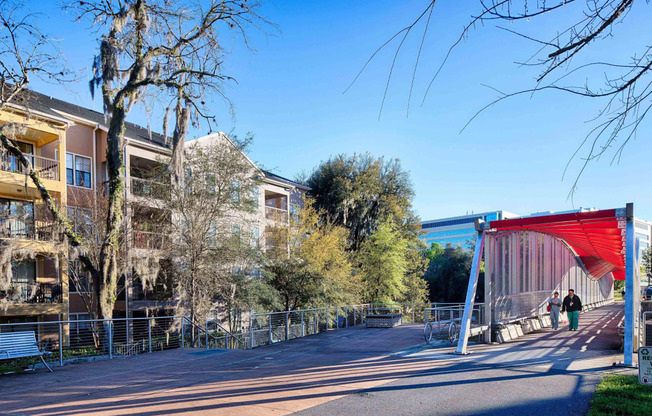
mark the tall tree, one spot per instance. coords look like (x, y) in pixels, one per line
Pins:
(382, 259)
(308, 263)
(359, 192)
(150, 51)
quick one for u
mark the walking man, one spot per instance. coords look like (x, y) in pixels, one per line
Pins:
(554, 305)
(572, 305)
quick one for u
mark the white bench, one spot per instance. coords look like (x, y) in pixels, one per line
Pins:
(20, 345)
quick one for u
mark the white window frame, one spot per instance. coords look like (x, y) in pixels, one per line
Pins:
(74, 170)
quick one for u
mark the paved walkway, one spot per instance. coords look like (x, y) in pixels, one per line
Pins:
(345, 372)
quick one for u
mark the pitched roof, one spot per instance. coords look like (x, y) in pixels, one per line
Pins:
(36, 101)
(279, 178)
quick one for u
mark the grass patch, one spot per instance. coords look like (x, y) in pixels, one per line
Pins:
(621, 395)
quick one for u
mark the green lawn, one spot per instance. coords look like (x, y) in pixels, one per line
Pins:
(621, 395)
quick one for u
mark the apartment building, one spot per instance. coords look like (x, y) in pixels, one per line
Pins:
(67, 146)
(278, 198)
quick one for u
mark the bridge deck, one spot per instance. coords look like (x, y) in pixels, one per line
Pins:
(369, 371)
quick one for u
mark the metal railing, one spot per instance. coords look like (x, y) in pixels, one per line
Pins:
(149, 188)
(45, 168)
(273, 213)
(28, 228)
(79, 340)
(25, 292)
(444, 321)
(149, 240)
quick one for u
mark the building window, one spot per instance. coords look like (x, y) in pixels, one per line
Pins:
(81, 219)
(24, 271)
(78, 170)
(77, 328)
(255, 237)
(235, 192)
(80, 278)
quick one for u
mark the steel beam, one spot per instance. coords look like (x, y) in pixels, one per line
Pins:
(470, 292)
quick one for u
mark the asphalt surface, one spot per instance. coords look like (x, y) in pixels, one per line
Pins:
(344, 372)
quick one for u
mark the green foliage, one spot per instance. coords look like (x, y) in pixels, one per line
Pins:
(383, 264)
(621, 395)
(310, 265)
(359, 192)
(448, 273)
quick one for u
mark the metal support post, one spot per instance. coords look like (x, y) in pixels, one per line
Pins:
(470, 292)
(287, 326)
(630, 274)
(251, 329)
(269, 317)
(316, 323)
(206, 334)
(337, 318)
(183, 332)
(149, 333)
(413, 310)
(110, 339)
(355, 322)
(303, 332)
(346, 317)
(60, 345)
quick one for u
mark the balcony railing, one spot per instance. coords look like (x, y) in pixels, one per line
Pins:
(273, 213)
(149, 240)
(24, 292)
(28, 228)
(148, 188)
(45, 168)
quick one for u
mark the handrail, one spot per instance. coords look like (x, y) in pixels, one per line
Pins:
(229, 333)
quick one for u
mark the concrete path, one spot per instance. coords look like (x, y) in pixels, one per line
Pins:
(345, 372)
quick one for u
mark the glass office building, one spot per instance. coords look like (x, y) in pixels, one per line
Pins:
(458, 231)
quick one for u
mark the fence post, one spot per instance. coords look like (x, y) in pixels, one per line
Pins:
(346, 317)
(206, 334)
(354, 320)
(60, 345)
(149, 333)
(251, 329)
(413, 310)
(303, 332)
(111, 339)
(183, 332)
(337, 318)
(316, 323)
(287, 326)
(269, 317)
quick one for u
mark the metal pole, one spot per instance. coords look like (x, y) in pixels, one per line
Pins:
(470, 292)
(183, 332)
(630, 274)
(346, 317)
(251, 329)
(206, 334)
(60, 345)
(413, 308)
(270, 328)
(303, 332)
(337, 318)
(110, 339)
(316, 323)
(354, 320)
(149, 333)
(287, 326)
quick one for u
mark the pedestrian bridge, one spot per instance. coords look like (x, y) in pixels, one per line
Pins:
(527, 259)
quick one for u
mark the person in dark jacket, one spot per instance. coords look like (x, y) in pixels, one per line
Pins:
(572, 305)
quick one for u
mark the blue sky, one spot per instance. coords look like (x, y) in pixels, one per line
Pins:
(289, 94)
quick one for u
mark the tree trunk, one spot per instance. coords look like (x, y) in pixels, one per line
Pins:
(109, 250)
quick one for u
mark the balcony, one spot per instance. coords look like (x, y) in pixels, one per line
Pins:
(29, 229)
(276, 214)
(149, 240)
(45, 168)
(24, 292)
(149, 189)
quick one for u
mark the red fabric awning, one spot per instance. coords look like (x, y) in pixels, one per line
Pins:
(598, 237)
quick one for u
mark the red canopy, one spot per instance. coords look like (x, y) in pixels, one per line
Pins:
(598, 237)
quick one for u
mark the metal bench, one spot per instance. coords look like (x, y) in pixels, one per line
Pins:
(21, 345)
